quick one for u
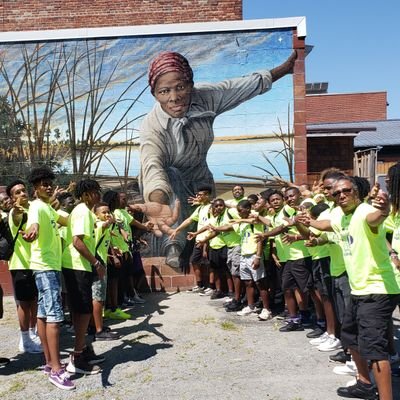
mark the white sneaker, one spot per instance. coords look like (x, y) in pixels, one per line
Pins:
(347, 369)
(207, 292)
(195, 289)
(331, 344)
(30, 347)
(246, 311)
(319, 340)
(265, 315)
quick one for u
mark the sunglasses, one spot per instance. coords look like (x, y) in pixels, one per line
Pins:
(339, 192)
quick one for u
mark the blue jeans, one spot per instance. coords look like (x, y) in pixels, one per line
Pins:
(49, 296)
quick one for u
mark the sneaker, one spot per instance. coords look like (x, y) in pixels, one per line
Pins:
(196, 289)
(91, 357)
(291, 327)
(206, 292)
(79, 365)
(282, 315)
(118, 314)
(246, 311)
(265, 315)
(316, 333)
(47, 369)
(106, 334)
(4, 361)
(137, 299)
(348, 369)
(217, 295)
(360, 391)
(30, 347)
(233, 306)
(331, 344)
(319, 340)
(340, 357)
(61, 379)
(394, 358)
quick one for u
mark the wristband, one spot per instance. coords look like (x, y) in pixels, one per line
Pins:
(258, 257)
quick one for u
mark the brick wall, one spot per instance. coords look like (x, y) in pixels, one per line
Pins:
(26, 15)
(349, 107)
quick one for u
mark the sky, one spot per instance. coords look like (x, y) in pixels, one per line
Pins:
(356, 43)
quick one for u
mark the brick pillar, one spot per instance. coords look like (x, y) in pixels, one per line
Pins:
(300, 132)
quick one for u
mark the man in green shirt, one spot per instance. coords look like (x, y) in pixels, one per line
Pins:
(374, 283)
(45, 261)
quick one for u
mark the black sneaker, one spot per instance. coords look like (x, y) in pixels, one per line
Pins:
(340, 357)
(359, 391)
(234, 305)
(317, 332)
(217, 295)
(291, 327)
(4, 361)
(106, 334)
(79, 365)
(282, 315)
(91, 357)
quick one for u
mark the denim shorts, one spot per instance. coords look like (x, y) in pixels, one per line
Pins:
(48, 284)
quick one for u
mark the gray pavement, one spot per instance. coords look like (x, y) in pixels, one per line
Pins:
(183, 346)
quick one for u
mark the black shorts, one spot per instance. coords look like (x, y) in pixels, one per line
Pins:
(197, 257)
(218, 258)
(296, 274)
(112, 271)
(366, 325)
(24, 285)
(79, 287)
(321, 276)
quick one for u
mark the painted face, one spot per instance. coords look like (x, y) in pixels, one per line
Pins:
(345, 196)
(103, 213)
(218, 208)
(292, 197)
(276, 202)
(237, 192)
(20, 194)
(173, 93)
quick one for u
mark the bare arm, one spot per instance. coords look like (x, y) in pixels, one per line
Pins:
(382, 205)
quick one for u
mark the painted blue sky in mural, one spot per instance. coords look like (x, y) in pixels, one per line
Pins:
(213, 56)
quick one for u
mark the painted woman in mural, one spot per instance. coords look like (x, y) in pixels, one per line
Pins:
(177, 133)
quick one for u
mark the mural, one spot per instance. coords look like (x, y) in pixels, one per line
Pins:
(76, 100)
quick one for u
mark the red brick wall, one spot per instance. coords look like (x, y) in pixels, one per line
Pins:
(26, 15)
(350, 107)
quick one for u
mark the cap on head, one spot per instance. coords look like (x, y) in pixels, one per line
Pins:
(169, 61)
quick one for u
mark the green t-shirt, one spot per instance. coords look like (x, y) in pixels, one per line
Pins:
(117, 240)
(247, 232)
(105, 237)
(124, 218)
(365, 253)
(392, 225)
(230, 238)
(337, 265)
(217, 242)
(62, 230)
(22, 249)
(201, 215)
(46, 248)
(81, 223)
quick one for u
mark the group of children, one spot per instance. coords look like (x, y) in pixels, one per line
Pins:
(82, 257)
(333, 250)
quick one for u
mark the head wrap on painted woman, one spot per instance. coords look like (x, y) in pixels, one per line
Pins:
(169, 61)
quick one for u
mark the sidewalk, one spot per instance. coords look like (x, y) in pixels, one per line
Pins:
(184, 346)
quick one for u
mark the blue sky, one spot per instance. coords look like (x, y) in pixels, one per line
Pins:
(356, 43)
